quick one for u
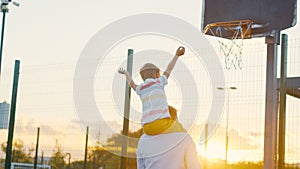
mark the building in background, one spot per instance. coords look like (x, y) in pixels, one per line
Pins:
(4, 111)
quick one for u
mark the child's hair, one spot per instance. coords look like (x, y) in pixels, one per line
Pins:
(173, 112)
(149, 70)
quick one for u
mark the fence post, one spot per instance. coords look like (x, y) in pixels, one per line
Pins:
(126, 112)
(282, 103)
(12, 115)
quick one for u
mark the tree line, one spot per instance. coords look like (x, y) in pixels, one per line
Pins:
(106, 156)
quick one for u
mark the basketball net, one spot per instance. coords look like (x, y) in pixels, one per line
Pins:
(231, 45)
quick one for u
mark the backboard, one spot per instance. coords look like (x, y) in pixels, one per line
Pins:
(267, 16)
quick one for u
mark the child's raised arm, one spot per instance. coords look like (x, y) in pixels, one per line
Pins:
(128, 77)
(180, 51)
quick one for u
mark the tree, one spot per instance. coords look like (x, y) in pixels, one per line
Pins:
(19, 153)
(57, 159)
(114, 143)
(133, 138)
(98, 156)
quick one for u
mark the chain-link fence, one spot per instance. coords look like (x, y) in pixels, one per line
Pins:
(237, 139)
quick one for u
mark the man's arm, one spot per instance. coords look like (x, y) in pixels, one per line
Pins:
(180, 51)
(140, 163)
(191, 158)
(128, 78)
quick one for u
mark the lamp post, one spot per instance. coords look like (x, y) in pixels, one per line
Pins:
(4, 10)
(227, 114)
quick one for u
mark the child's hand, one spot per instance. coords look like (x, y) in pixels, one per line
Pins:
(180, 51)
(122, 70)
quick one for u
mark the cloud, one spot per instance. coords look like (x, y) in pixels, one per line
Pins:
(100, 131)
(236, 139)
(29, 127)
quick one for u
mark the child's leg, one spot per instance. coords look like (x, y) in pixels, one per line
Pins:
(160, 126)
(175, 127)
(157, 126)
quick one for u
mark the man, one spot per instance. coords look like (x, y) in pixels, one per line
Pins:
(167, 151)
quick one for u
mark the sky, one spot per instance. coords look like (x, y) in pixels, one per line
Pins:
(48, 37)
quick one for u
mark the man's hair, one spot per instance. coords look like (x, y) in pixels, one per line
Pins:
(149, 70)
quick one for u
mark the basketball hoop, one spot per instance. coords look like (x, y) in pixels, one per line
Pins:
(236, 32)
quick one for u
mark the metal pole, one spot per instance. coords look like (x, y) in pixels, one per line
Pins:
(226, 140)
(227, 115)
(4, 10)
(12, 115)
(42, 158)
(227, 118)
(282, 107)
(271, 102)
(86, 146)
(276, 127)
(126, 112)
(205, 145)
(36, 148)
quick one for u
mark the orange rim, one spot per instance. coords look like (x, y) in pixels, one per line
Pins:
(230, 26)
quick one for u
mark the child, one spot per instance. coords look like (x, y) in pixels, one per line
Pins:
(156, 118)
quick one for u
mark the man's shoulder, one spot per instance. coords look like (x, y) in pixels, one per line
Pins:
(178, 135)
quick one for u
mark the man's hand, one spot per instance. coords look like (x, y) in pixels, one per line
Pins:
(180, 51)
